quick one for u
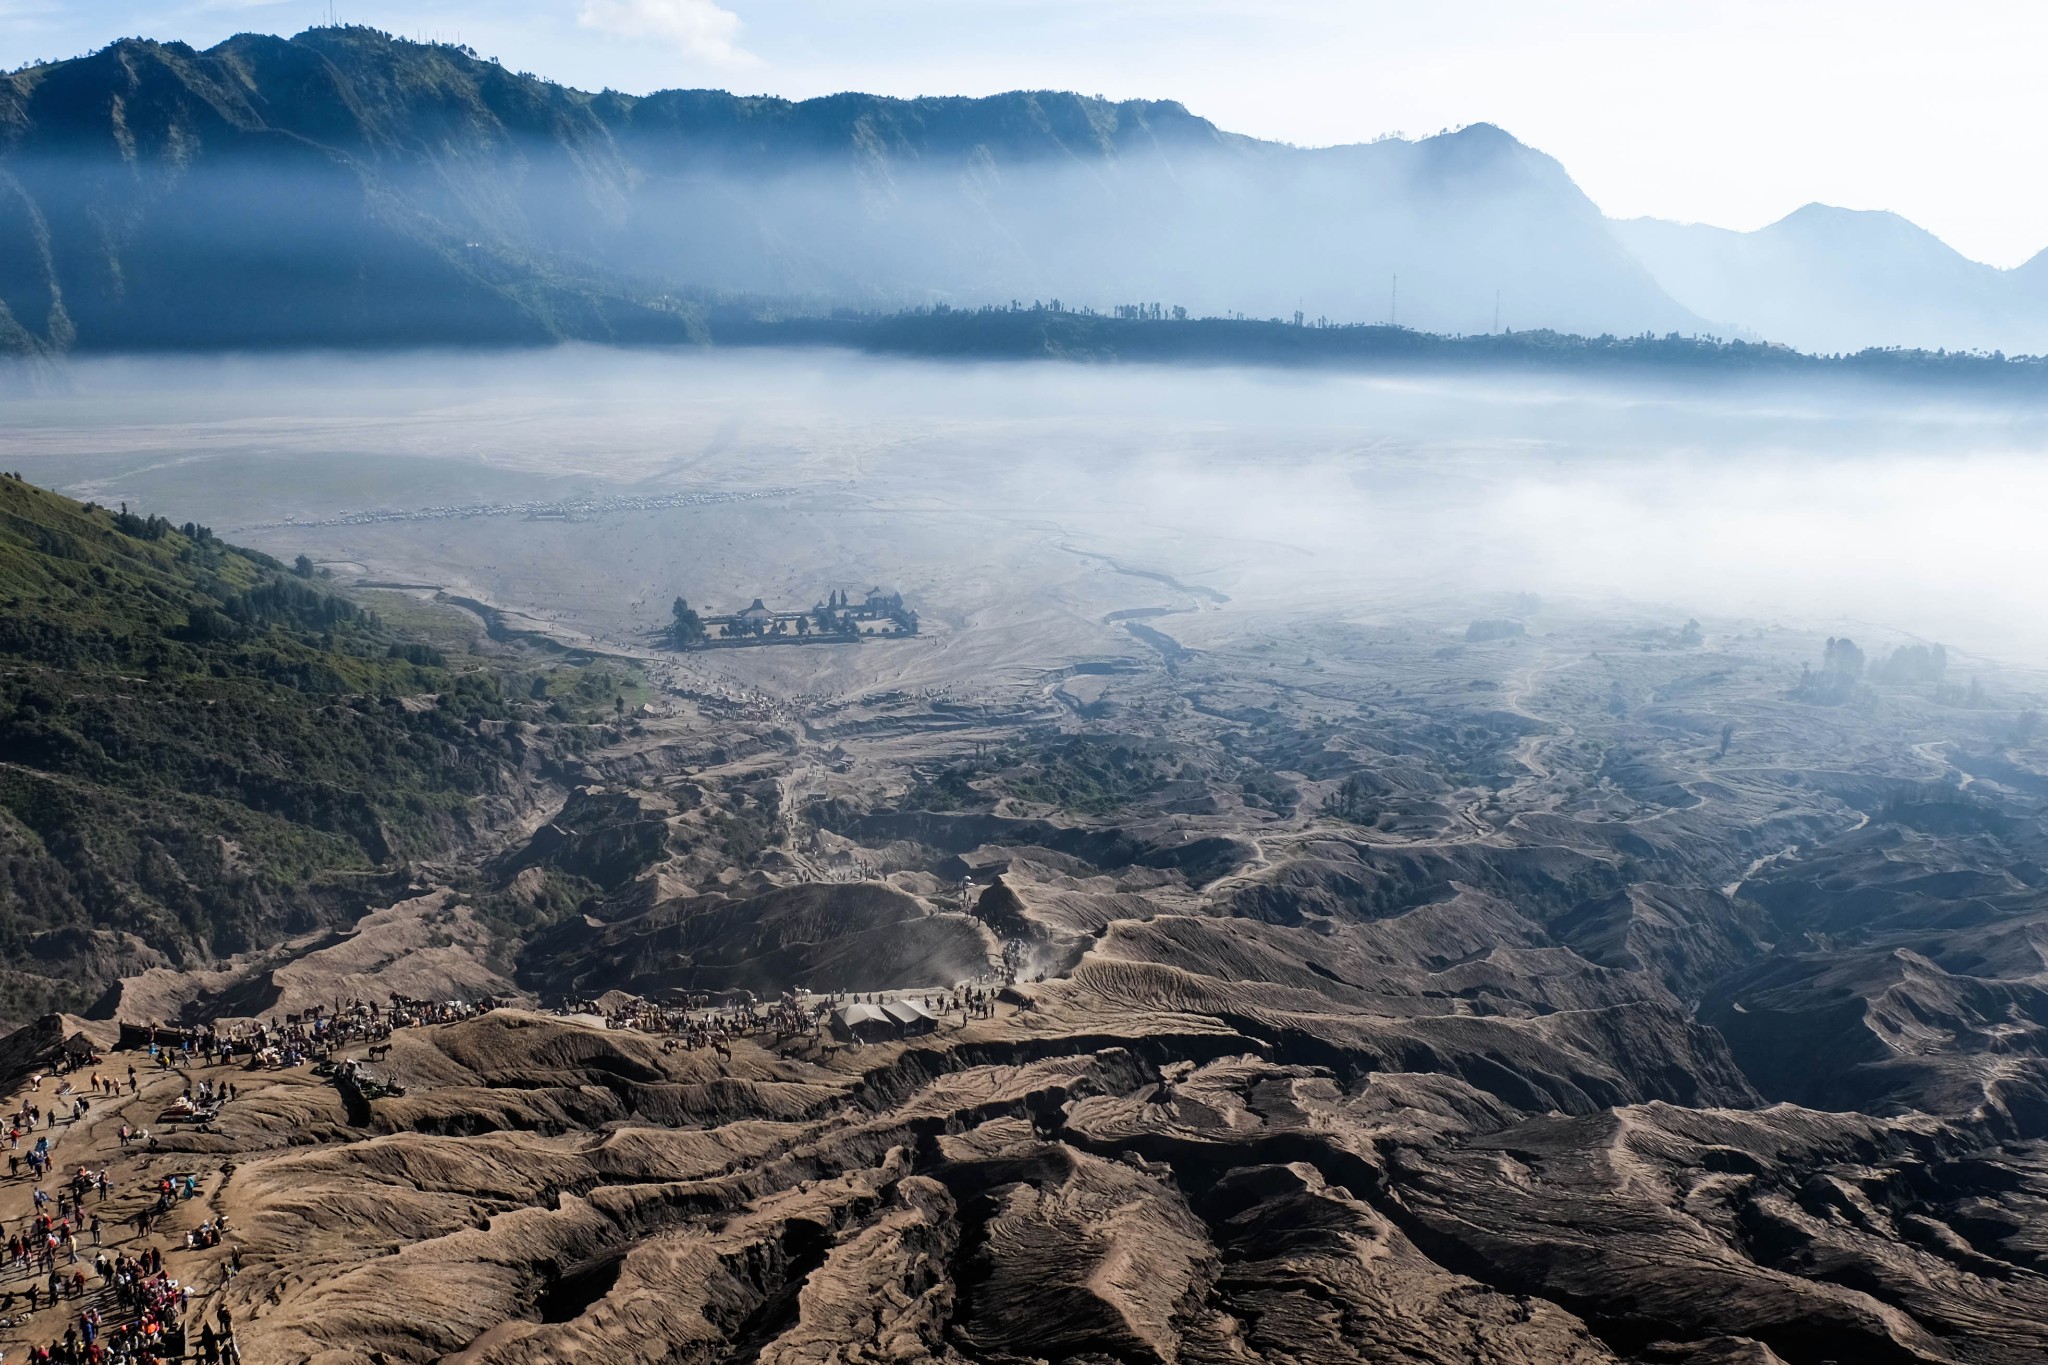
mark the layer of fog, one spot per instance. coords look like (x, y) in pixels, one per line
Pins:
(239, 245)
(1844, 512)
(1466, 232)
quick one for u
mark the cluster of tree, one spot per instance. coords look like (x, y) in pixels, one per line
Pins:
(150, 528)
(1148, 312)
(801, 625)
(892, 607)
(952, 787)
(1969, 697)
(279, 602)
(1841, 669)
(837, 616)
(142, 528)
(1354, 802)
(686, 627)
(1088, 777)
(1172, 334)
(418, 654)
(834, 618)
(1911, 664)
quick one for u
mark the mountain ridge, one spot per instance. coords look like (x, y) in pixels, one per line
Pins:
(1830, 279)
(344, 187)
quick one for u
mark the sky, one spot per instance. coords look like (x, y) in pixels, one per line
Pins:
(1731, 112)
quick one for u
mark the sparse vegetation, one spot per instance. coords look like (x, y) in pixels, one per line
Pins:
(1354, 802)
(1841, 670)
(1077, 774)
(1087, 776)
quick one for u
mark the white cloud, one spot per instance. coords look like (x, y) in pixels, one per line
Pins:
(697, 28)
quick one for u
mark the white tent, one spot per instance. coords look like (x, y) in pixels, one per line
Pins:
(865, 1022)
(910, 1017)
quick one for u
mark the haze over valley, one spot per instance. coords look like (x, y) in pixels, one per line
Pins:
(1811, 506)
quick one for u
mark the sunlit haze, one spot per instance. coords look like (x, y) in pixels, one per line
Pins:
(1730, 112)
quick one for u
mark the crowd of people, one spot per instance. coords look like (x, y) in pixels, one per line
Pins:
(123, 1306)
(296, 1039)
(698, 1022)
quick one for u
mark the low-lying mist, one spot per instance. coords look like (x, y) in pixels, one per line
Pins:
(1840, 510)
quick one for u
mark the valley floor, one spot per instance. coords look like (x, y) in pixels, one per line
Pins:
(1392, 965)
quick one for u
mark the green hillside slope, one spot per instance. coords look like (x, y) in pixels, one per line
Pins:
(202, 749)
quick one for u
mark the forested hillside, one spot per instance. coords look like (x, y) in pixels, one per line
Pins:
(1053, 334)
(202, 749)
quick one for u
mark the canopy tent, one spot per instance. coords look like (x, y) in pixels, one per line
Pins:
(910, 1017)
(867, 1023)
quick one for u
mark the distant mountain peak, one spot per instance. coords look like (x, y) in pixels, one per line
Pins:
(1827, 278)
(1490, 135)
(1821, 217)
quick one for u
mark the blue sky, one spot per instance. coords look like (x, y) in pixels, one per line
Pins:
(1731, 112)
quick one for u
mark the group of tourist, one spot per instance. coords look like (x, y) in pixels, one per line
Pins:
(150, 1337)
(37, 1158)
(311, 1035)
(147, 1304)
(125, 1307)
(697, 1023)
(137, 1314)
